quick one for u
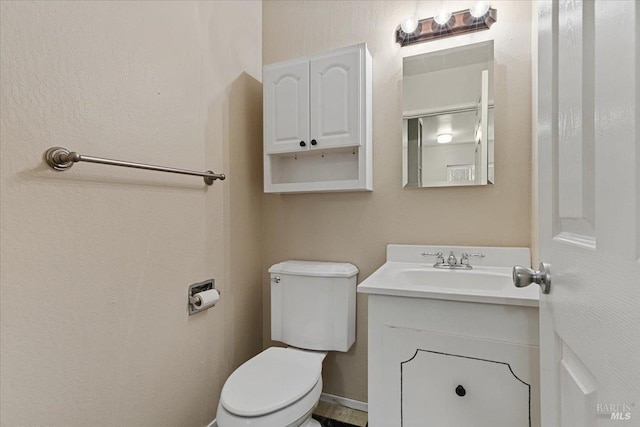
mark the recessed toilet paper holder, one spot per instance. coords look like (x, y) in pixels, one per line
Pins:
(194, 299)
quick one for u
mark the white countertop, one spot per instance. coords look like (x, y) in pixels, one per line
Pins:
(483, 284)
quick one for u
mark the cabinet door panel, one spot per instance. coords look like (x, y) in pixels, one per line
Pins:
(455, 381)
(336, 101)
(286, 107)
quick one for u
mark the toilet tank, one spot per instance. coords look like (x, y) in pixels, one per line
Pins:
(313, 304)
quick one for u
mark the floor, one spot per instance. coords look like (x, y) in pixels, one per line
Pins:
(333, 415)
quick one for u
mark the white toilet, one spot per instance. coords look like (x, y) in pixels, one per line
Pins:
(313, 309)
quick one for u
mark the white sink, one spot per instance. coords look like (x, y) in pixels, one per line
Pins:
(480, 278)
(402, 276)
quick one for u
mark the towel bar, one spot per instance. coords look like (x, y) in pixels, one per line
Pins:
(62, 159)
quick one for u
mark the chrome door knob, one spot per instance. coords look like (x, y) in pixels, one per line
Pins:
(523, 276)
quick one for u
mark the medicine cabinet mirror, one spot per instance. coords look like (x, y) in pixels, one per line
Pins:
(448, 111)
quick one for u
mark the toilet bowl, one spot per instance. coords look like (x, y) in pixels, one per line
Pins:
(313, 309)
(278, 387)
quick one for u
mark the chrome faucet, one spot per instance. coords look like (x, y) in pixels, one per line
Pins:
(452, 262)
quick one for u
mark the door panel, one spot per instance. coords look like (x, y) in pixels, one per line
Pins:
(336, 105)
(575, 213)
(577, 391)
(286, 109)
(588, 166)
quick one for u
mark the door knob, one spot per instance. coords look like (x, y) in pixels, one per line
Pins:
(523, 276)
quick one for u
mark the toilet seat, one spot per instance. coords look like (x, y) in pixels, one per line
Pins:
(270, 381)
(298, 414)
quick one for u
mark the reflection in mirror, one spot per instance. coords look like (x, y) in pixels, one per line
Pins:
(447, 137)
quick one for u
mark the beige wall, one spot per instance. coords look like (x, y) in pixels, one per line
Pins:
(356, 227)
(96, 261)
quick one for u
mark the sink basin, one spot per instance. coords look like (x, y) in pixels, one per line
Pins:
(403, 276)
(478, 279)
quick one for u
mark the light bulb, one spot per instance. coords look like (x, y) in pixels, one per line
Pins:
(442, 18)
(479, 9)
(444, 138)
(409, 25)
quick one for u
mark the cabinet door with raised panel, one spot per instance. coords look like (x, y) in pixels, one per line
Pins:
(337, 101)
(437, 379)
(286, 107)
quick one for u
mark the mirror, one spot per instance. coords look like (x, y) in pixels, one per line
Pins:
(447, 116)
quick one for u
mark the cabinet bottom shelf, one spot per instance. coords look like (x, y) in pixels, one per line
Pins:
(319, 171)
(316, 187)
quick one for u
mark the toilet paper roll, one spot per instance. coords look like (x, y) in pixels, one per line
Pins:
(206, 299)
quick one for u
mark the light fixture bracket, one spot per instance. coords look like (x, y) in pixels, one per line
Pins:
(461, 22)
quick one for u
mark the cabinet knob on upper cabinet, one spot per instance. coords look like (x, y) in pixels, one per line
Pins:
(303, 144)
(460, 391)
(314, 142)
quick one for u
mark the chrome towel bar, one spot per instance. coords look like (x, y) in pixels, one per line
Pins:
(62, 159)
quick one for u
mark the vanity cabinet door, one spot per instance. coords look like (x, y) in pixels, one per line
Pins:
(450, 380)
(337, 99)
(286, 107)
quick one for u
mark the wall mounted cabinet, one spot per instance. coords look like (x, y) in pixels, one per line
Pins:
(317, 123)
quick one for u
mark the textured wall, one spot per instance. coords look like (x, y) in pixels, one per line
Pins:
(96, 261)
(356, 227)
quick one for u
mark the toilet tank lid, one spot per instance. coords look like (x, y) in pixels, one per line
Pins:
(315, 268)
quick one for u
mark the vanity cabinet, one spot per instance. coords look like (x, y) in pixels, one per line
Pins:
(317, 122)
(452, 363)
(452, 347)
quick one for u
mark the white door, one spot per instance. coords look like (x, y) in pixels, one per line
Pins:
(337, 94)
(589, 206)
(286, 107)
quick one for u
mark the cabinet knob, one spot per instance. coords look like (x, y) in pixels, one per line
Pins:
(460, 391)
(314, 142)
(303, 144)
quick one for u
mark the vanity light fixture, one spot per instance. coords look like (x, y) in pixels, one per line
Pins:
(409, 25)
(479, 9)
(445, 24)
(444, 138)
(442, 18)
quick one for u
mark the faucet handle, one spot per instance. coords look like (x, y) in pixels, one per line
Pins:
(439, 256)
(464, 259)
(469, 255)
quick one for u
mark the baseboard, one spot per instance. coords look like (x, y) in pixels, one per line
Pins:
(349, 403)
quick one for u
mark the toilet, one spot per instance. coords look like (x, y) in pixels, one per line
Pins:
(313, 310)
